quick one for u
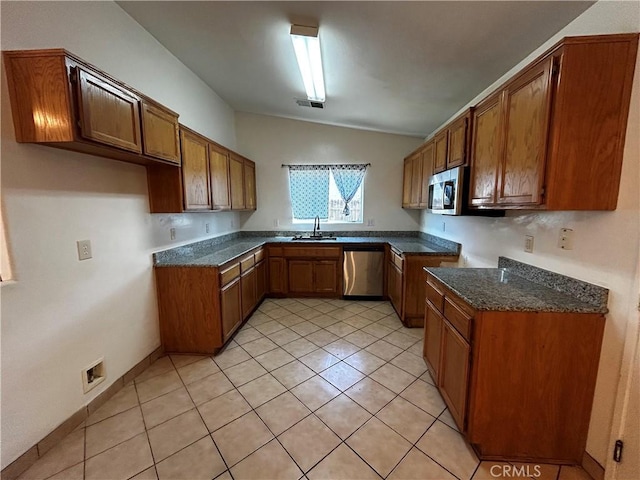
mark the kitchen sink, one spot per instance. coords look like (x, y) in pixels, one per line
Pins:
(304, 238)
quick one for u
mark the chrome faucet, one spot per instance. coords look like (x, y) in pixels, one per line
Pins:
(316, 226)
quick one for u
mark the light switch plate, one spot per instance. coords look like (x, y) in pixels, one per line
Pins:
(84, 249)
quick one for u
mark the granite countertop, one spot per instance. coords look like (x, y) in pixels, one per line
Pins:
(215, 253)
(502, 289)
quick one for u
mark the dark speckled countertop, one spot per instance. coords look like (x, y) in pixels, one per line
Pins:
(523, 288)
(215, 252)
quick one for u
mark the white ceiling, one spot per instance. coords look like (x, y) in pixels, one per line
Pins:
(401, 67)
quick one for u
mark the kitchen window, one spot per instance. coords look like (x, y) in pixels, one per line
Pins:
(332, 192)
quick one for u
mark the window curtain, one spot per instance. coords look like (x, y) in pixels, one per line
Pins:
(309, 188)
(348, 179)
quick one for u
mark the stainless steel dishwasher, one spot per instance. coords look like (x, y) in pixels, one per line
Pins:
(363, 271)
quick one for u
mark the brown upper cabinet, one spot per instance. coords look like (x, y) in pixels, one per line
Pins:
(212, 178)
(195, 171)
(417, 171)
(59, 100)
(219, 170)
(553, 136)
(451, 144)
(441, 146)
(242, 173)
(160, 132)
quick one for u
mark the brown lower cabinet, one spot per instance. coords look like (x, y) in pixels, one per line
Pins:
(200, 308)
(305, 270)
(519, 385)
(405, 283)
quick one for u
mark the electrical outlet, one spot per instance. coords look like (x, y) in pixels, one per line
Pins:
(276, 222)
(84, 249)
(565, 239)
(444, 226)
(172, 233)
(528, 243)
(232, 224)
(93, 375)
(206, 227)
(371, 222)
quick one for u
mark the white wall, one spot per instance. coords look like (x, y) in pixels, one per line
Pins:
(273, 141)
(61, 314)
(606, 243)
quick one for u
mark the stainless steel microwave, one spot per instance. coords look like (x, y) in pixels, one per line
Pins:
(445, 192)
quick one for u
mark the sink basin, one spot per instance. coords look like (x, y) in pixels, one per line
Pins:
(312, 237)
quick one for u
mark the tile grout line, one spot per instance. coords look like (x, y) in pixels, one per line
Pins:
(341, 392)
(413, 445)
(209, 434)
(146, 431)
(139, 403)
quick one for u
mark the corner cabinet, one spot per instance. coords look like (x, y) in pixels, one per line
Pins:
(200, 308)
(59, 100)
(512, 385)
(242, 173)
(553, 137)
(418, 168)
(212, 178)
(405, 283)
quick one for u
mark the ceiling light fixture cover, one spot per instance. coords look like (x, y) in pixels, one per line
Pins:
(307, 47)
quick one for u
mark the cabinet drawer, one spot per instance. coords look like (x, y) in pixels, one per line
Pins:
(435, 296)
(275, 251)
(397, 260)
(247, 263)
(458, 318)
(259, 256)
(229, 273)
(312, 252)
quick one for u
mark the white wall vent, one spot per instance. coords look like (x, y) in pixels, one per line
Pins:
(309, 103)
(93, 375)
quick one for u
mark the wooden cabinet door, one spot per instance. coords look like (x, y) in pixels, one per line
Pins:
(300, 276)
(249, 288)
(433, 323)
(277, 275)
(457, 143)
(236, 181)
(108, 114)
(326, 276)
(195, 171)
(249, 185)
(261, 281)
(427, 171)
(416, 180)
(441, 144)
(230, 304)
(219, 172)
(160, 133)
(394, 286)
(406, 182)
(454, 373)
(486, 151)
(527, 110)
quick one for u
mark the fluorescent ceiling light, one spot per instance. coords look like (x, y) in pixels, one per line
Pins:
(307, 47)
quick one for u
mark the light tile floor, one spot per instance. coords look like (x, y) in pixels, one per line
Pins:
(308, 388)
